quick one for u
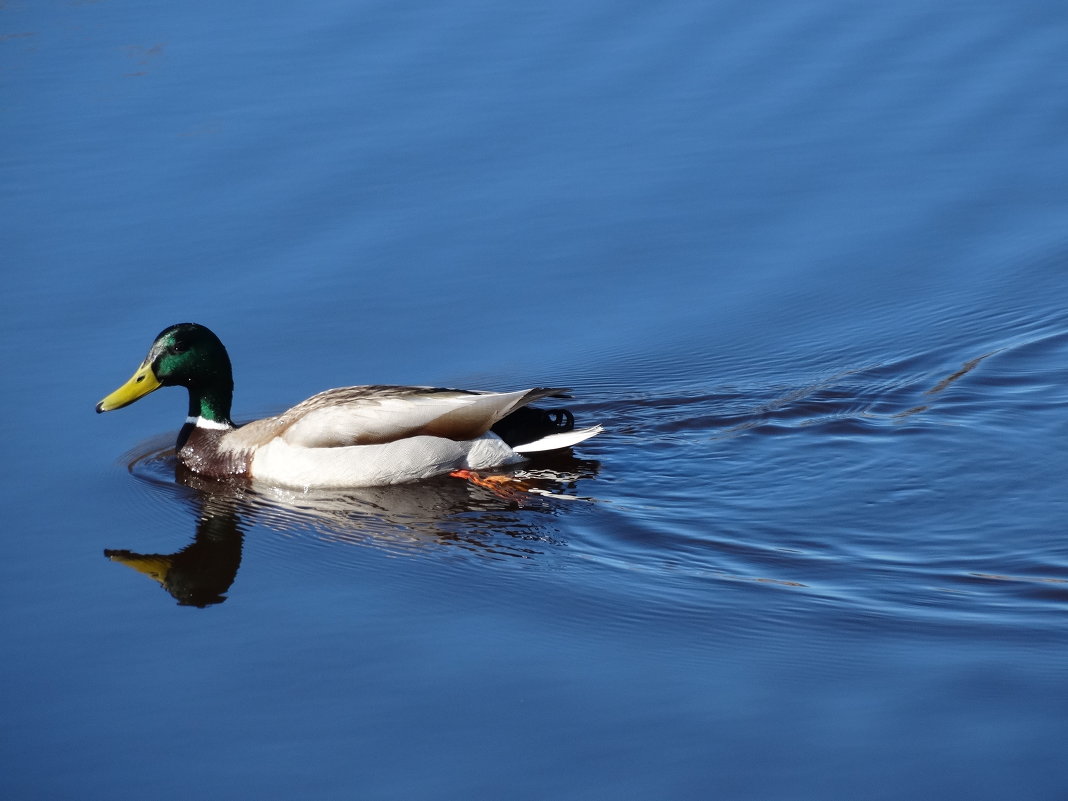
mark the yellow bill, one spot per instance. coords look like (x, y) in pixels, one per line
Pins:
(140, 384)
(154, 566)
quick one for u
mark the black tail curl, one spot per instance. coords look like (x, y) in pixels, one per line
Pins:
(528, 424)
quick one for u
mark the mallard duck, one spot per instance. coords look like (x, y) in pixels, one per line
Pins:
(346, 437)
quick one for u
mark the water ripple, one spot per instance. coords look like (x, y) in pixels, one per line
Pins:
(714, 487)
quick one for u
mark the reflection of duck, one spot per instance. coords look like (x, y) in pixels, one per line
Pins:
(439, 512)
(200, 573)
(347, 437)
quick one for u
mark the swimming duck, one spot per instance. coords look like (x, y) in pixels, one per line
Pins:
(346, 437)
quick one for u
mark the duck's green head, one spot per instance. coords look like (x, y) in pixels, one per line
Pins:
(187, 355)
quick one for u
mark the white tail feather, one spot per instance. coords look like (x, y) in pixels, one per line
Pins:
(554, 441)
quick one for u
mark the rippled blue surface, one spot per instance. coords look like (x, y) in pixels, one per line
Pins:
(807, 262)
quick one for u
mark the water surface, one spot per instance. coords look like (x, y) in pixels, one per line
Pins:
(808, 265)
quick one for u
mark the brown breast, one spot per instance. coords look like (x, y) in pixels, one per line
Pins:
(201, 451)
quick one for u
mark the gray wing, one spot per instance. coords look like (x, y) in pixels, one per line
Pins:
(378, 414)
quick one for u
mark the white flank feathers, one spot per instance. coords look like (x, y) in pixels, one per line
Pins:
(408, 459)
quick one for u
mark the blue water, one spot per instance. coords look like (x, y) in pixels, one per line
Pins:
(807, 263)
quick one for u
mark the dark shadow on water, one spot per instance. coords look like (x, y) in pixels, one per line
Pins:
(445, 513)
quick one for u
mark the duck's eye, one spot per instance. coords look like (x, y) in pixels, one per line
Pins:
(175, 348)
